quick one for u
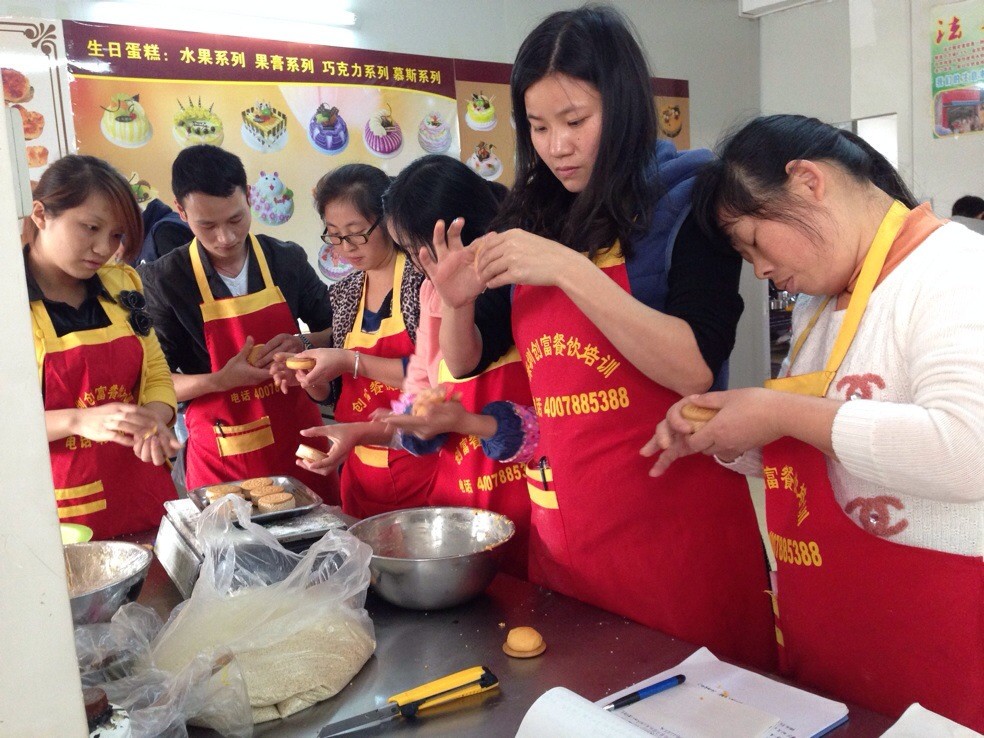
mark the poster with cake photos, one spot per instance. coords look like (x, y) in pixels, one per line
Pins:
(958, 68)
(291, 112)
(35, 84)
(672, 100)
(488, 130)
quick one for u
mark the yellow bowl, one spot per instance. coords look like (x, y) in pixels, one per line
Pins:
(75, 533)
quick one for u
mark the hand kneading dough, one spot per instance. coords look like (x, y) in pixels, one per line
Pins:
(698, 416)
(309, 453)
(300, 363)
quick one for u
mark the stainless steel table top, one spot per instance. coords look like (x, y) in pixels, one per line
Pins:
(589, 651)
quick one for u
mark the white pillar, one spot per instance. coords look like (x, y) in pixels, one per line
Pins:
(39, 677)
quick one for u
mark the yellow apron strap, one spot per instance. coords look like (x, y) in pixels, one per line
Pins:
(261, 260)
(395, 324)
(806, 331)
(198, 268)
(817, 383)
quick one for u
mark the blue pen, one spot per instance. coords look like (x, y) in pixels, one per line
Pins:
(631, 699)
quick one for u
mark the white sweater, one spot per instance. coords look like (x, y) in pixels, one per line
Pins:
(915, 428)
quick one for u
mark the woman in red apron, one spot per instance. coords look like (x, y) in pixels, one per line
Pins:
(375, 314)
(107, 389)
(596, 237)
(479, 437)
(870, 439)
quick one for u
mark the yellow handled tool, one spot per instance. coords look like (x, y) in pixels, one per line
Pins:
(407, 704)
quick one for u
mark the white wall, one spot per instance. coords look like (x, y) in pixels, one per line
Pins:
(888, 57)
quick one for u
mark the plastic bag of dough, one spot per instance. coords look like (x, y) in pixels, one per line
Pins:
(295, 623)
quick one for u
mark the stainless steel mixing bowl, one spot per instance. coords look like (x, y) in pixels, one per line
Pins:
(103, 576)
(427, 558)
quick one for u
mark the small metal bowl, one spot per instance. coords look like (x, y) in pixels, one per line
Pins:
(103, 576)
(427, 558)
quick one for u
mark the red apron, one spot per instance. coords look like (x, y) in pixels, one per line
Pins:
(377, 479)
(861, 617)
(101, 485)
(253, 431)
(466, 477)
(681, 553)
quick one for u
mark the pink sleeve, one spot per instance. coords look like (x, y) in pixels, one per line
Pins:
(423, 364)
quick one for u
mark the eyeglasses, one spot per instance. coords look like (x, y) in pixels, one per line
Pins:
(355, 239)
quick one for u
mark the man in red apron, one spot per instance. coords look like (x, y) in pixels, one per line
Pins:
(211, 301)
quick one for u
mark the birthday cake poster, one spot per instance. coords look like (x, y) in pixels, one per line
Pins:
(291, 112)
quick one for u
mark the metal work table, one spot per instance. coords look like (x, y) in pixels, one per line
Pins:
(589, 651)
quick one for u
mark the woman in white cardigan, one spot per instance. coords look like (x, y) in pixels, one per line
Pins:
(869, 442)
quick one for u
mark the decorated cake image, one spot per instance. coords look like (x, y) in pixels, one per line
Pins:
(480, 113)
(327, 130)
(331, 266)
(484, 162)
(434, 135)
(670, 122)
(196, 124)
(142, 190)
(382, 134)
(264, 127)
(270, 199)
(125, 123)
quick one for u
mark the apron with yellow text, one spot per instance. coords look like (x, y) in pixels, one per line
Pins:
(680, 553)
(863, 618)
(252, 431)
(467, 477)
(101, 485)
(377, 479)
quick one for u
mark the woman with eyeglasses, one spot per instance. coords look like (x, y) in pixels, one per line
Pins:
(108, 396)
(375, 314)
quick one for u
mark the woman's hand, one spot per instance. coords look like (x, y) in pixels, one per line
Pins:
(453, 273)
(283, 377)
(156, 446)
(519, 257)
(330, 364)
(343, 437)
(746, 419)
(438, 418)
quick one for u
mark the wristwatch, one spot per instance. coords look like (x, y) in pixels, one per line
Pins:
(305, 341)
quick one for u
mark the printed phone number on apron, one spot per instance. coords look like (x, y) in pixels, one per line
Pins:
(585, 403)
(791, 551)
(488, 482)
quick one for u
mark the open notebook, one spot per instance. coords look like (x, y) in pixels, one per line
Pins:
(717, 700)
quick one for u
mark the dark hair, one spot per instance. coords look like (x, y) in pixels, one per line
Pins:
(437, 187)
(749, 176)
(71, 180)
(594, 44)
(361, 184)
(207, 169)
(969, 206)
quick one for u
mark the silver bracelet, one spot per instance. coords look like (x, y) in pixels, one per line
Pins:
(355, 368)
(305, 341)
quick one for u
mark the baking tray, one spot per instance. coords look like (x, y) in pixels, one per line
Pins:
(304, 497)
